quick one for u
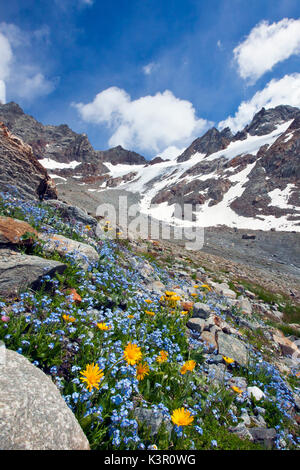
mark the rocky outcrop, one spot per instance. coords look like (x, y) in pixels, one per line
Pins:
(13, 231)
(81, 252)
(209, 143)
(19, 271)
(33, 415)
(19, 168)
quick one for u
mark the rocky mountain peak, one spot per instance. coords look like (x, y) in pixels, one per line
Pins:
(266, 120)
(212, 141)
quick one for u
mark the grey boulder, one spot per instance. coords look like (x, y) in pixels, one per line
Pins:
(84, 254)
(33, 415)
(19, 271)
(232, 347)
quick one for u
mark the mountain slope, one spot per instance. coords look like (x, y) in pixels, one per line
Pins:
(250, 180)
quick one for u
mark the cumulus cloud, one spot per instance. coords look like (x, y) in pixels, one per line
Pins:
(283, 91)
(17, 71)
(150, 123)
(266, 45)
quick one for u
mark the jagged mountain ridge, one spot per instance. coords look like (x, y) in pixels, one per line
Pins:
(61, 144)
(247, 180)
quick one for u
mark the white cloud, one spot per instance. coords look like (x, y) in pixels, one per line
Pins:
(277, 92)
(266, 45)
(148, 69)
(150, 123)
(20, 77)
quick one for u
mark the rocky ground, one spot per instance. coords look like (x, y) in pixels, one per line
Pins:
(225, 349)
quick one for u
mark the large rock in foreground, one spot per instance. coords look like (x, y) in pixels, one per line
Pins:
(18, 271)
(33, 415)
(84, 254)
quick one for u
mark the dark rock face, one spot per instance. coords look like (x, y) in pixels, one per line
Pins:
(266, 120)
(209, 143)
(120, 155)
(19, 168)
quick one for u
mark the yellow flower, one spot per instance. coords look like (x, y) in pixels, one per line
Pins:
(194, 294)
(148, 312)
(148, 301)
(236, 389)
(169, 293)
(184, 312)
(205, 286)
(196, 286)
(162, 357)
(132, 354)
(103, 326)
(69, 319)
(88, 227)
(188, 366)
(92, 375)
(130, 316)
(142, 369)
(228, 360)
(182, 417)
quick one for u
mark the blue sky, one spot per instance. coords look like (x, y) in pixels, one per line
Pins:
(59, 55)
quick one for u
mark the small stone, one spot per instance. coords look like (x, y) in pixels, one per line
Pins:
(153, 419)
(230, 346)
(209, 339)
(255, 392)
(241, 431)
(263, 436)
(196, 324)
(201, 310)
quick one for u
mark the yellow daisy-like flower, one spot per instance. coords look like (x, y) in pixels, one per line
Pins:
(92, 375)
(182, 417)
(142, 369)
(196, 286)
(228, 360)
(237, 390)
(69, 319)
(194, 294)
(148, 301)
(169, 293)
(148, 312)
(188, 366)
(184, 312)
(103, 326)
(132, 354)
(205, 286)
(130, 316)
(88, 227)
(162, 357)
